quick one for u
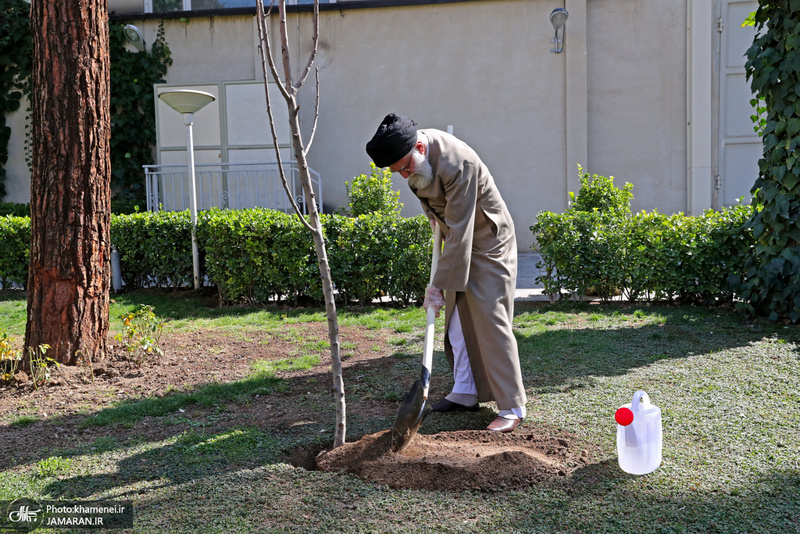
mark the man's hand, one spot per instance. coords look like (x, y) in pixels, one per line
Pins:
(433, 299)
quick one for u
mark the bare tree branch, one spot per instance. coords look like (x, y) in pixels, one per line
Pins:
(287, 64)
(263, 30)
(267, 53)
(313, 55)
(314, 222)
(316, 114)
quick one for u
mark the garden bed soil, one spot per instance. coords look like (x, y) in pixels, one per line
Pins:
(469, 459)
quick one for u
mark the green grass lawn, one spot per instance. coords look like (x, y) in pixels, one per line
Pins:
(728, 390)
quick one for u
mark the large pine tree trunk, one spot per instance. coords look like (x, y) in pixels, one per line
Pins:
(69, 275)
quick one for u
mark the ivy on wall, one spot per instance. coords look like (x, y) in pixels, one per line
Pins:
(771, 284)
(16, 54)
(133, 128)
(133, 115)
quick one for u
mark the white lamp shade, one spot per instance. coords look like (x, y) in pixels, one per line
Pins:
(134, 35)
(558, 17)
(186, 100)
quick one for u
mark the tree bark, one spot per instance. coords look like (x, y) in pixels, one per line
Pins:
(69, 269)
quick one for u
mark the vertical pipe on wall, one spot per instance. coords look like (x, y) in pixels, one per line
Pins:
(699, 38)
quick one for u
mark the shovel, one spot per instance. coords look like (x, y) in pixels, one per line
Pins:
(415, 406)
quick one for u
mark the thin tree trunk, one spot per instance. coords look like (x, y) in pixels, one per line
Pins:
(314, 224)
(69, 271)
(327, 284)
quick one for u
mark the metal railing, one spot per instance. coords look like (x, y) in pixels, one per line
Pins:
(227, 186)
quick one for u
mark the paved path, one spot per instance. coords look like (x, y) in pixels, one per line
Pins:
(527, 288)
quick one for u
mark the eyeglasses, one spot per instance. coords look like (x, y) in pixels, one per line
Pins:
(407, 168)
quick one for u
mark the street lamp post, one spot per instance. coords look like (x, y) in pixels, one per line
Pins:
(187, 102)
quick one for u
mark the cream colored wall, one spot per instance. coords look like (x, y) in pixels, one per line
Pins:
(636, 52)
(206, 49)
(18, 177)
(492, 78)
(620, 110)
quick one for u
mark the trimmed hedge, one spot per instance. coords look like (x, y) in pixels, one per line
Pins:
(603, 250)
(24, 210)
(257, 255)
(15, 239)
(15, 209)
(155, 248)
(379, 254)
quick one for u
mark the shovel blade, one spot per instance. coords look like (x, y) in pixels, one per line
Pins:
(409, 417)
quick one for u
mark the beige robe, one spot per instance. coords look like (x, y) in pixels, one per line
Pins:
(478, 266)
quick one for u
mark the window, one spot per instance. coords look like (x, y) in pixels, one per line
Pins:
(166, 6)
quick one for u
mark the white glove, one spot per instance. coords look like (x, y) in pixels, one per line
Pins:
(433, 299)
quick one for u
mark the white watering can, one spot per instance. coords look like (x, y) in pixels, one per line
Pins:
(639, 435)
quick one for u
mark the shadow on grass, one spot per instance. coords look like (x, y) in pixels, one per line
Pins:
(180, 304)
(130, 411)
(559, 354)
(192, 455)
(603, 498)
(187, 455)
(554, 357)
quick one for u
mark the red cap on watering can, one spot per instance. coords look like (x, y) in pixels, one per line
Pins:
(624, 416)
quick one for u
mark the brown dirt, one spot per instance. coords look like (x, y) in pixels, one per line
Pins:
(438, 458)
(457, 461)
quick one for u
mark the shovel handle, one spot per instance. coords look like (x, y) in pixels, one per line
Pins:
(430, 323)
(437, 251)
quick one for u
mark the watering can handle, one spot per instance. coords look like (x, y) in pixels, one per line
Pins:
(637, 397)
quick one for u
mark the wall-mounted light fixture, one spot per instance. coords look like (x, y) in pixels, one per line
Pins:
(134, 35)
(558, 18)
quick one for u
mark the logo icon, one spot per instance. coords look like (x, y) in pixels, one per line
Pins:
(25, 512)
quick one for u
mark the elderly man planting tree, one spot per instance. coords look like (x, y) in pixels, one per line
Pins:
(477, 269)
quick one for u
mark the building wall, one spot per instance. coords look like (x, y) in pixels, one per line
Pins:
(636, 84)
(614, 102)
(18, 176)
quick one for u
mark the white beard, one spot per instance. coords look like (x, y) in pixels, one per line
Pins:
(423, 172)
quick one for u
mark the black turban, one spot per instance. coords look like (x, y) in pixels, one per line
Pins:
(395, 138)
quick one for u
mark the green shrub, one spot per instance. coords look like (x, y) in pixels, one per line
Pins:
(155, 248)
(142, 335)
(684, 258)
(411, 260)
(580, 252)
(598, 193)
(359, 251)
(15, 209)
(379, 255)
(373, 193)
(256, 255)
(15, 239)
(601, 249)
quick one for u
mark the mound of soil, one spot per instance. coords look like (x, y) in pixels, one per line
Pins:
(459, 461)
